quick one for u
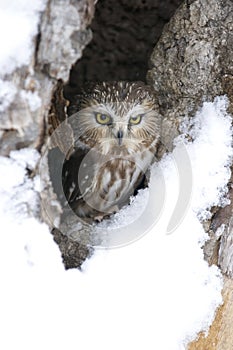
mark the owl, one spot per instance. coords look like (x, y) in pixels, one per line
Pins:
(116, 127)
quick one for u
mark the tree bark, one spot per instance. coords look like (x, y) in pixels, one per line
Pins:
(63, 34)
(220, 336)
(55, 50)
(192, 63)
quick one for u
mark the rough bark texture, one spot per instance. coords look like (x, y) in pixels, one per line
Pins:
(73, 253)
(21, 125)
(55, 51)
(63, 34)
(191, 63)
(220, 336)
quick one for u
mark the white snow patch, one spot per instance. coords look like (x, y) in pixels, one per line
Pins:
(7, 94)
(17, 190)
(27, 158)
(32, 98)
(211, 151)
(156, 293)
(18, 26)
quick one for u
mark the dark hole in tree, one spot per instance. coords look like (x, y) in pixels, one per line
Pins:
(124, 34)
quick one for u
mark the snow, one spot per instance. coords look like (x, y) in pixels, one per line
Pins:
(16, 189)
(7, 94)
(18, 25)
(32, 98)
(155, 293)
(19, 21)
(212, 140)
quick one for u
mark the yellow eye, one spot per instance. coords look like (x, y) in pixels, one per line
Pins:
(135, 120)
(103, 119)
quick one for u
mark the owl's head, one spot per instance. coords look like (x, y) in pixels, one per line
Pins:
(116, 116)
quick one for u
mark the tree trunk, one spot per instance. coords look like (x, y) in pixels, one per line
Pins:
(63, 34)
(191, 63)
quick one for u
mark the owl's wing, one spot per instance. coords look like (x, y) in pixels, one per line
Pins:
(70, 175)
(61, 133)
(77, 175)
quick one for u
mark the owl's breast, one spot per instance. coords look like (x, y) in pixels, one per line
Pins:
(107, 182)
(117, 179)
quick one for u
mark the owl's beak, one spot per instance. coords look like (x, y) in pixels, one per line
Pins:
(120, 136)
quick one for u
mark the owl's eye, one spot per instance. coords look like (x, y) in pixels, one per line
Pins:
(103, 119)
(135, 120)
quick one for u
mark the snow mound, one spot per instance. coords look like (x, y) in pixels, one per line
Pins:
(156, 293)
(19, 19)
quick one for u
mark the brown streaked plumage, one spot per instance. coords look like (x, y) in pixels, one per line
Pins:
(116, 127)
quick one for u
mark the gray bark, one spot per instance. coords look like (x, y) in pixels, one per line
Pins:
(191, 63)
(63, 34)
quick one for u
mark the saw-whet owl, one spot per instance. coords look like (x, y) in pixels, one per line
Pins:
(116, 127)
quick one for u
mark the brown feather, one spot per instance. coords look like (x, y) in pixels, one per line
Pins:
(117, 168)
